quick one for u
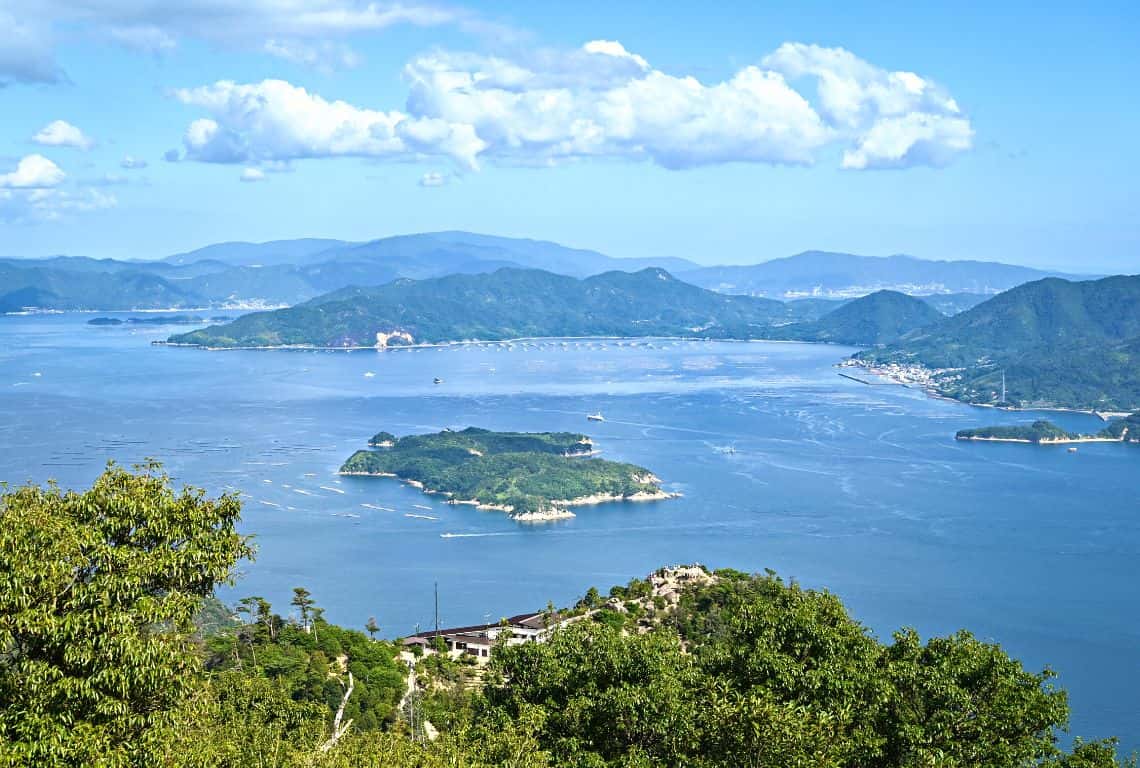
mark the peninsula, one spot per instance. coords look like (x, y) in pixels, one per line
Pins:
(1047, 344)
(1042, 432)
(532, 476)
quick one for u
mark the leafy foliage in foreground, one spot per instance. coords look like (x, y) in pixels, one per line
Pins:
(519, 471)
(751, 671)
(97, 593)
(98, 667)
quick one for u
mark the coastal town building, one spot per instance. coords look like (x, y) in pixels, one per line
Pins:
(478, 640)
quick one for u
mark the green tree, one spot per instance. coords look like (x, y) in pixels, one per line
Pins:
(303, 602)
(602, 696)
(97, 593)
(372, 627)
(964, 702)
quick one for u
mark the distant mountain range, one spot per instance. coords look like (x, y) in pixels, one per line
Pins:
(515, 303)
(288, 272)
(1057, 343)
(282, 272)
(844, 275)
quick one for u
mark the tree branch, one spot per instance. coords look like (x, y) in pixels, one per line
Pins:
(339, 730)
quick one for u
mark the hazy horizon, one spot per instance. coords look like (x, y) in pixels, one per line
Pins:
(742, 261)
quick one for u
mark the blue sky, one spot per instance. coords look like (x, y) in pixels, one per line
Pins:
(731, 134)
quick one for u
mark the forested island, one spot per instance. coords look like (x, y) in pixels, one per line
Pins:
(159, 319)
(115, 653)
(1044, 432)
(532, 476)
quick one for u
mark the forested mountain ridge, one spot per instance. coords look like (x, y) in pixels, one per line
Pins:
(507, 304)
(513, 303)
(1058, 343)
(878, 318)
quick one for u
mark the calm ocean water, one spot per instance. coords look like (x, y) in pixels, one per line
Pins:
(861, 489)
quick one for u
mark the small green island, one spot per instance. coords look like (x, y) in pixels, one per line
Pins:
(160, 319)
(532, 476)
(1043, 432)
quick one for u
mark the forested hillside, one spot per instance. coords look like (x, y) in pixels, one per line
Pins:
(113, 654)
(1058, 343)
(506, 304)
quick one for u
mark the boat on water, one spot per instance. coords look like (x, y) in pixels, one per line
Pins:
(595, 416)
(1072, 449)
(437, 380)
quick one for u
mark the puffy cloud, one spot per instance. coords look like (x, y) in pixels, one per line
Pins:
(251, 175)
(33, 172)
(32, 191)
(28, 27)
(132, 163)
(275, 121)
(602, 101)
(172, 155)
(915, 138)
(598, 101)
(896, 119)
(60, 133)
(433, 179)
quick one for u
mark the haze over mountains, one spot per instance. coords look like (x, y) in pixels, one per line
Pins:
(844, 275)
(288, 272)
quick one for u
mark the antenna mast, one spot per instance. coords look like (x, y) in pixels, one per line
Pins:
(437, 607)
(1003, 385)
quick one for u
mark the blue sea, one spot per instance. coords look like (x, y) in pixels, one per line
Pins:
(782, 464)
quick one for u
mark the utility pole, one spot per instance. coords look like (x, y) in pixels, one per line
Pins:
(437, 607)
(1003, 385)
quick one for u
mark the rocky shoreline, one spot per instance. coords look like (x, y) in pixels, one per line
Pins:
(558, 509)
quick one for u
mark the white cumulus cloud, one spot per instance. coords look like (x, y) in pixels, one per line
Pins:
(597, 101)
(274, 121)
(33, 172)
(252, 175)
(893, 119)
(433, 179)
(60, 133)
(132, 163)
